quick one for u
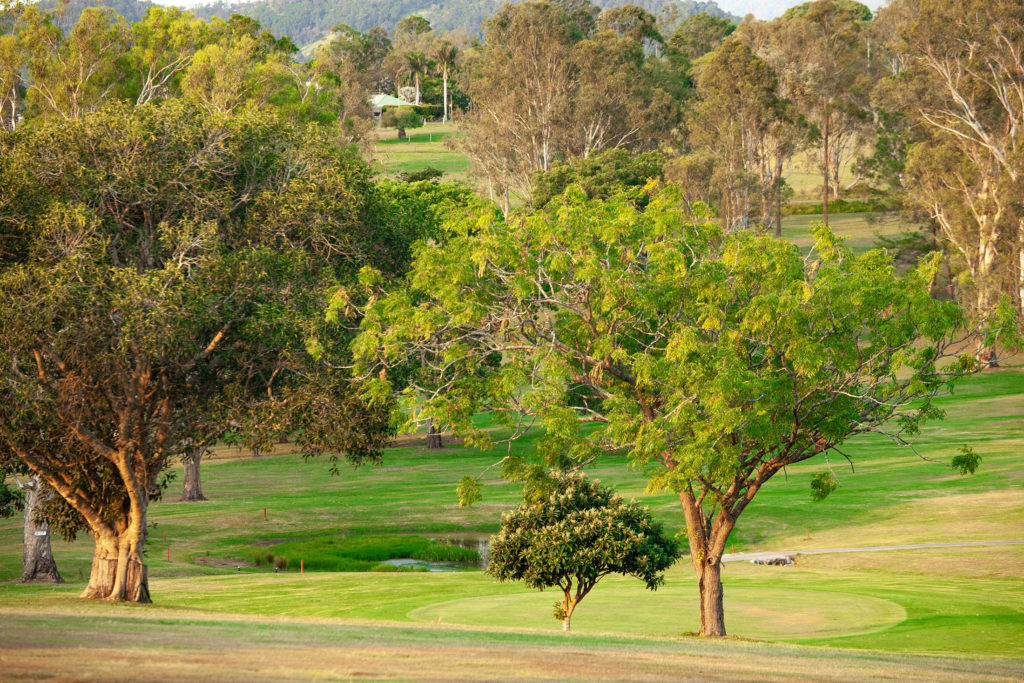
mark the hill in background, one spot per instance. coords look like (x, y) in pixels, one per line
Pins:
(307, 21)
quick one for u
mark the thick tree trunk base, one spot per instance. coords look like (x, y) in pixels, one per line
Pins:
(193, 487)
(712, 610)
(987, 356)
(37, 565)
(434, 440)
(118, 573)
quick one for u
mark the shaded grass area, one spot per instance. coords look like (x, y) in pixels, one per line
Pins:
(861, 230)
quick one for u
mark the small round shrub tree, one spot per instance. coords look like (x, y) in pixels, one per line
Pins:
(401, 118)
(579, 533)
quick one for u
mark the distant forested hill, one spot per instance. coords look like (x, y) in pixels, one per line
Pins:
(306, 21)
(132, 10)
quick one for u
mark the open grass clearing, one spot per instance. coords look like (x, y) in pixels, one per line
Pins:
(424, 147)
(956, 601)
(162, 643)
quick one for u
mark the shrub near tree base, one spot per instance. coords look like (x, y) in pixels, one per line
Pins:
(579, 533)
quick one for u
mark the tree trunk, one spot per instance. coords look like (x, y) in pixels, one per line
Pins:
(401, 133)
(104, 567)
(707, 542)
(434, 440)
(778, 216)
(712, 610)
(37, 563)
(568, 605)
(193, 488)
(255, 452)
(778, 195)
(824, 175)
(444, 99)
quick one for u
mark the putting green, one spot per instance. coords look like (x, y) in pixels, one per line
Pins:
(629, 609)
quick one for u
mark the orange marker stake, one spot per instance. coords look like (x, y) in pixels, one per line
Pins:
(808, 533)
(302, 568)
(264, 514)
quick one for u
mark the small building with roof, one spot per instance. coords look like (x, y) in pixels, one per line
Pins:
(380, 101)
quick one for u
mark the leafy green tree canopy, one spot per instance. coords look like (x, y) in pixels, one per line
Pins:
(168, 275)
(401, 118)
(576, 535)
(601, 176)
(714, 359)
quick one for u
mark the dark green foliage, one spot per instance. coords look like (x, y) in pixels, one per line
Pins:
(601, 176)
(11, 498)
(131, 10)
(967, 462)
(843, 206)
(428, 173)
(576, 534)
(307, 21)
(851, 8)
(700, 34)
(401, 118)
(822, 485)
(365, 553)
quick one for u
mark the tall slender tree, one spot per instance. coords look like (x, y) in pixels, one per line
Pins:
(444, 55)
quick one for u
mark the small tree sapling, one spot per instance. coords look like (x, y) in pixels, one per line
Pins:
(580, 532)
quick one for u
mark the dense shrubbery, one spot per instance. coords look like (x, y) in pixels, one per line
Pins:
(600, 176)
(843, 206)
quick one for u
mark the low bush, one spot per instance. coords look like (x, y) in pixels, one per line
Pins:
(843, 206)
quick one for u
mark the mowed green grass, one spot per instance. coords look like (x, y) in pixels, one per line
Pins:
(860, 230)
(954, 601)
(424, 147)
(87, 641)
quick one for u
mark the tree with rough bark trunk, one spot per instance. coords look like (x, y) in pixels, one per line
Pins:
(37, 565)
(713, 359)
(573, 532)
(184, 282)
(434, 440)
(192, 489)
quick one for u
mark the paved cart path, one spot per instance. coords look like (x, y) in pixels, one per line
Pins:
(768, 554)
